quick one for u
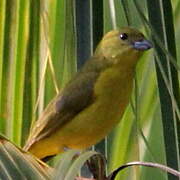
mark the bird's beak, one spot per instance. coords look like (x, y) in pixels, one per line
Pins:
(142, 45)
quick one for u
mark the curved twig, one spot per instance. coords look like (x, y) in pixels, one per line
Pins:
(148, 164)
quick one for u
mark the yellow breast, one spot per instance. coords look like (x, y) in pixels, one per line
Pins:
(112, 91)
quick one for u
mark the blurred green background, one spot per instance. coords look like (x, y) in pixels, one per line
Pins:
(44, 42)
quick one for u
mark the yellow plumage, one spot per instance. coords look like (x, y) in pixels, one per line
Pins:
(94, 101)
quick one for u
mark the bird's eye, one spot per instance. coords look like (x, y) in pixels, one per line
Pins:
(123, 36)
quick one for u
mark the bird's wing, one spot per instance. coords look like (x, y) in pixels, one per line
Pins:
(76, 96)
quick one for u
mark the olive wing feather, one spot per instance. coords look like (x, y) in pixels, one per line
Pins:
(76, 96)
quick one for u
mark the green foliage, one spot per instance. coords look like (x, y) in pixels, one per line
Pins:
(39, 52)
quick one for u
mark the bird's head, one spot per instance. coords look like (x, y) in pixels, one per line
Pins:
(123, 46)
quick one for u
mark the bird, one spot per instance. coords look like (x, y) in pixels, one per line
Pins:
(93, 102)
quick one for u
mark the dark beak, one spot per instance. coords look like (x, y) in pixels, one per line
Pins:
(142, 45)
